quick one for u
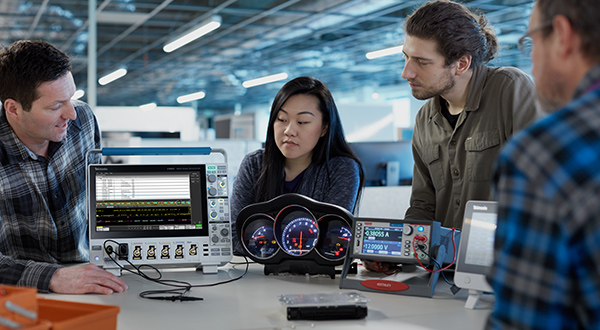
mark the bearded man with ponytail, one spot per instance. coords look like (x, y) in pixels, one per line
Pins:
(472, 109)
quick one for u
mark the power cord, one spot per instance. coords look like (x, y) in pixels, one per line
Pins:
(181, 288)
(452, 285)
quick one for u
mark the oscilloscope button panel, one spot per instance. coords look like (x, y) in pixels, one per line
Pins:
(218, 205)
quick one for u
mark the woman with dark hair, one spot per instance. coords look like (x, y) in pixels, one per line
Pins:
(305, 152)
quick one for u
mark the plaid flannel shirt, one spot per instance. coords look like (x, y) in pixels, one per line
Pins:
(42, 202)
(546, 273)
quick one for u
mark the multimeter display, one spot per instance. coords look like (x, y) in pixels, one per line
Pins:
(382, 240)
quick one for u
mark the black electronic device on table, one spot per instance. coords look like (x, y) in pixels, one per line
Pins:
(296, 234)
(422, 243)
(325, 306)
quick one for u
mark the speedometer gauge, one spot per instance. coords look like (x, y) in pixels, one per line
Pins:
(300, 236)
(296, 230)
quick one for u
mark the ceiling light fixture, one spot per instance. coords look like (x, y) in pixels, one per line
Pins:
(148, 106)
(112, 76)
(194, 33)
(191, 97)
(264, 80)
(384, 52)
(78, 94)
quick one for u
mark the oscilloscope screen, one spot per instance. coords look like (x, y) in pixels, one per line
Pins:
(148, 201)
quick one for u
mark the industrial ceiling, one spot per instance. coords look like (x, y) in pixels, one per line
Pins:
(327, 39)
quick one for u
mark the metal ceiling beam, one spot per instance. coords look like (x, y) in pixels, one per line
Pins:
(162, 40)
(36, 20)
(216, 35)
(84, 25)
(92, 63)
(133, 27)
(165, 63)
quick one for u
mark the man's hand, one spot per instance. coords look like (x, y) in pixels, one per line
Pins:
(86, 278)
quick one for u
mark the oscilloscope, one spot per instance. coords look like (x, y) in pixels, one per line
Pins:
(162, 215)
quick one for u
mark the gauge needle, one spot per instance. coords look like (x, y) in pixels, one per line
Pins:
(300, 245)
(346, 238)
(259, 236)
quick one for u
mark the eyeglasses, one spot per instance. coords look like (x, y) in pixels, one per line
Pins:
(526, 43)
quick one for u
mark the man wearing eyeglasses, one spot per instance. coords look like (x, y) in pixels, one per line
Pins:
(546, 273)
(471, 110)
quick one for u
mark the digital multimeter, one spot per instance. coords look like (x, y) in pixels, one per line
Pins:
(407, 242)
(393, 240)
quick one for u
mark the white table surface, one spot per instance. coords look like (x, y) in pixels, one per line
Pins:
(252, 303)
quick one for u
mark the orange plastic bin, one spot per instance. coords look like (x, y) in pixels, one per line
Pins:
(66, 315)
(41, 325)
(23, 298)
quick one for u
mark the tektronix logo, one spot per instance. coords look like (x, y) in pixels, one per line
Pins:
(385, 285)
(480, 208)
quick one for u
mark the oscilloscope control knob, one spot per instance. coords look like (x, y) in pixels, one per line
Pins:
(224, 232)
(215, 239)
(212, 178)
(408, 230)
(212, 191)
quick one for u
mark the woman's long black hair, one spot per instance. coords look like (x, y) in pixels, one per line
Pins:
(332, 144)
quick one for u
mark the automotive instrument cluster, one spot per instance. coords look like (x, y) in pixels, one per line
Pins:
(293, 233)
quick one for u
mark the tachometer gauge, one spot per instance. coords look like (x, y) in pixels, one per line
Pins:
(258, 237)
(300, 236)
(335, 237)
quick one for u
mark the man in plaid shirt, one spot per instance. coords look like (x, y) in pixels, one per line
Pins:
(44, 136)
(546, 273)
